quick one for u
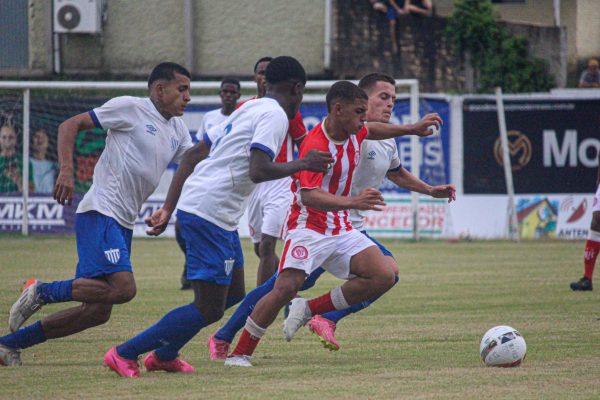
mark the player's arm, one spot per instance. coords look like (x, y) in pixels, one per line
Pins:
(262, 167)
(159, 220)
(406, 180)
(381, 131)
(67, 133)
(319, 199)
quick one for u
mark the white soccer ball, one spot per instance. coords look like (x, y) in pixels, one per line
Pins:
(502, 346)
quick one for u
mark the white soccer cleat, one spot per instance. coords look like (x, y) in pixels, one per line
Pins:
(298, 317)
(26, 305)
(238, 361)
(9, 356)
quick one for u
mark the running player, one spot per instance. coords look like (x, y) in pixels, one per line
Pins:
(144, 136)
(229, 94)
(212, 202)
(592, 245)
(320, 232)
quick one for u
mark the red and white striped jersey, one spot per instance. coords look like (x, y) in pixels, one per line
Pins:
(296, 132)
(337, 181)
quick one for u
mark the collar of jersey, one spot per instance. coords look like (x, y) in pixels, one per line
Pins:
(153, 109)
(329, 137)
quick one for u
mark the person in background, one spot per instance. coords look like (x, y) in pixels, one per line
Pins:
(44, 169)
(590, 77)
(11, 163)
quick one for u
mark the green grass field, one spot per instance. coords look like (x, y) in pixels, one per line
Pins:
(420, 341)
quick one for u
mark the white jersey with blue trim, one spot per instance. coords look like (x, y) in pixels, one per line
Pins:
(377, 157)
(140, 144)
(219, 187)
(210, 119)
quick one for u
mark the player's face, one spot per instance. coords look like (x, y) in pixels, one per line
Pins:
(259, 78)
(8, 138)
(352, 116)
(229, 95)
(296, 99)
(175, 95)
(381, 102)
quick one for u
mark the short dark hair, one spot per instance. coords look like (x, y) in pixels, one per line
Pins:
(167, 71)
(285, 68)
(262, 59)
(233, 81)
(367, 82)
(344, 90)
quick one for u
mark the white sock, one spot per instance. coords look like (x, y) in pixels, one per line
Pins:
(254, 329)
(338, 299)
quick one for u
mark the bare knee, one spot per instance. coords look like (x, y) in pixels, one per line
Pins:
(267, 246)
(210, 312)
(287, 285)
(124, 293)
(95, 314)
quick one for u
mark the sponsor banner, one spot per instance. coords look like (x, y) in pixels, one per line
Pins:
(46, 216)
(554, 216)
(553, 145)
(396, 219)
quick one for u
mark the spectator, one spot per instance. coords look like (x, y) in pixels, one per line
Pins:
(394, 9)
(44, 169)
(11, 163)
(590, 77)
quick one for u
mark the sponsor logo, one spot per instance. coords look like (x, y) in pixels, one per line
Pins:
(574, 212)
(300, 253)
(43, 213)
(151, 129)
(372, 155)
(519, 148)
(229, 266)
(112, 255)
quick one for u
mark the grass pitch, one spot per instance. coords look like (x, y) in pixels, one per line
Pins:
(420, 341)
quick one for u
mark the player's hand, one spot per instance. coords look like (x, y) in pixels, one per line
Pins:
(158, 222)
(317, 161)
(444, 192)
(421, 128)
(63, 188)
(368, 199)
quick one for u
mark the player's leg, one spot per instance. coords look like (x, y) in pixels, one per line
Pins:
(104, 248)
(185, 284)
(356, 257)
(276, 204)
(325, 325)
(592, 248)
(269, 261)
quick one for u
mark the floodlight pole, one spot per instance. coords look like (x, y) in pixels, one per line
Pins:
(513, 226)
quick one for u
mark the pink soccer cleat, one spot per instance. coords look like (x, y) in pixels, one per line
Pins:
(122, 366)
(153, 363)
(325, 329)
(217, 348)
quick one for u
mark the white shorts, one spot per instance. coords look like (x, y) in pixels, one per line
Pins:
(308, 250)
(596, 204)
(268, 208)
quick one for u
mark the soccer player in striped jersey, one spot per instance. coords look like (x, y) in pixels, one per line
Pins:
(212, 202)
(144, 136)
(320, 231)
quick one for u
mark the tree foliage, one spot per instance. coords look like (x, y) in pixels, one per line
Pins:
(499, 58)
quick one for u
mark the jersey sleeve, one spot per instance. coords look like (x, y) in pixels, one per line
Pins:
(270, 130)
(184, 144)
(114, 114)
(297, 129)
(395, 163)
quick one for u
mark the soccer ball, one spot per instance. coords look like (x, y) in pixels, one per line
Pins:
(502, 346)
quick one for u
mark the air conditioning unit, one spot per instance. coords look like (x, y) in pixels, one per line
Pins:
(77, 16)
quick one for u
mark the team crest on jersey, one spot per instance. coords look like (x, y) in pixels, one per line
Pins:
(151, 129)
(174, 144)
(300, 253)
(229, 266)
(112, 255)
(372, 155)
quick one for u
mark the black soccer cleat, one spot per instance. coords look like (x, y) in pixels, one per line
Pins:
(582, 285)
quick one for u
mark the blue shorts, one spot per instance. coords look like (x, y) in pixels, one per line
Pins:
(385, 251)
(103, 246)
(211, 253)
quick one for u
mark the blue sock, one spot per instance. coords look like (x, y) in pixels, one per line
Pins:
(336, 315)
(57, 291)
(312, 278)
(237, 321)
(175, 329)
(25, 337)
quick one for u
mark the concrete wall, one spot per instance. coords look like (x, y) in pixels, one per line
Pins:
(228, 36)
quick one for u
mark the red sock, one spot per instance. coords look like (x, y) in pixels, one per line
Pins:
(321, 304)
(589, 260)
(246, 345)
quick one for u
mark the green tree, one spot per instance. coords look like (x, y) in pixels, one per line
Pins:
(498, 58)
